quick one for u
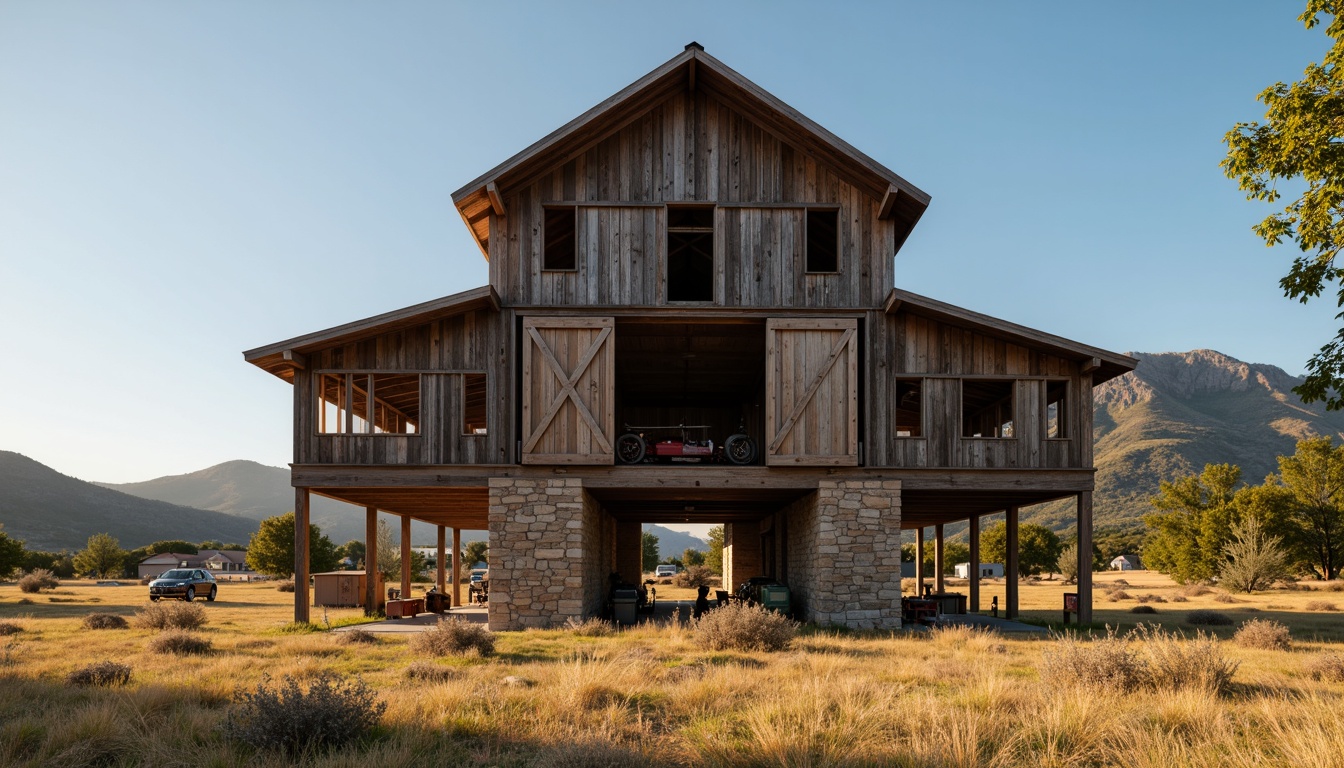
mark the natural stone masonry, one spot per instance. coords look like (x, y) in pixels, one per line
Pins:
(845, 553)
(542, 563)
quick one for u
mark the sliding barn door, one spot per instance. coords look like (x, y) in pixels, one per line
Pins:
(812, 392)
(569, 414)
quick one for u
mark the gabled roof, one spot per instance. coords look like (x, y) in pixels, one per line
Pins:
(689, 70)
(282, 357)
(1105, 365)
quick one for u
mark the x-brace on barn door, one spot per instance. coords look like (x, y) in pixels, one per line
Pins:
(569, 414)
(811, 390)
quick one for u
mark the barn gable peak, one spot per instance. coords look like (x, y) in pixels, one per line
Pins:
(690, 70)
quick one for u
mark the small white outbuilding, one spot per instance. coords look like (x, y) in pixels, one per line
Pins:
(987, 570)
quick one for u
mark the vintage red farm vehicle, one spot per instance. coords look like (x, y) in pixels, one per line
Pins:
(675, 444)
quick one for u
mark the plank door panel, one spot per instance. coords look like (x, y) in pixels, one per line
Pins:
(569, 414)
(812, 400)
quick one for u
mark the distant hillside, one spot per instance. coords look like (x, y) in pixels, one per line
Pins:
(51, 511)
(672, 543)
(255, 491)
(1180, 411)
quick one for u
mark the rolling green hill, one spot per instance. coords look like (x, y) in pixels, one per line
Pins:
(51, 511)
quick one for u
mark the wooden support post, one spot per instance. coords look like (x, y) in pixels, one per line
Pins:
(1085, 557)
(441, 567)
(919, 562)
(974, 530)
(1010, 567)
(371, 596)
(405, 557)
(457, 567)
(301, 555)
(938, 563)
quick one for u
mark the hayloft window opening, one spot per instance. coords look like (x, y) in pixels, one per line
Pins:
(987, 409)
(1056, 400)
(910, 408)
(690, 253)
(473, 404)
(823, 241)
(368, 403)
(560, 235)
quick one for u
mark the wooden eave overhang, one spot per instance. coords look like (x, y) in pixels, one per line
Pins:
(1102, 364)
(692, 69)
(281, 358)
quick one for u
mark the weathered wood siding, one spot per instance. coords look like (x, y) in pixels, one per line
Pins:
(941, 356)
(569, 374)
(811, 392)
(441, 352)
(691, 148)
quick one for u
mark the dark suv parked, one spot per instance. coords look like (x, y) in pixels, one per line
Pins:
(184, 583)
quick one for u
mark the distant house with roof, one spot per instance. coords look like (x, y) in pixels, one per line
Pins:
(229, 565)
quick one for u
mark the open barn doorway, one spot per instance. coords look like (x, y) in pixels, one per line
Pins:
(690, 391)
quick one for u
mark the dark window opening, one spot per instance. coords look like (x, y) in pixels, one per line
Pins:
(909, 409)
(368, 403)
(473, 404)
(560, 249)
(986, 408)
(823, 241)
(1056, 414)
(690, 253)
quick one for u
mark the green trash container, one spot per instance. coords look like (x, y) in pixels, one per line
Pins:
(775, 597)
(624, 601)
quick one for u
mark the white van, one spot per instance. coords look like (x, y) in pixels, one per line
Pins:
(665, 571)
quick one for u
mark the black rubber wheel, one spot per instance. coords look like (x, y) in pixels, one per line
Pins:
(191, 594)
(740, 449)
(153, 598)
(210, 598)
(630, 448)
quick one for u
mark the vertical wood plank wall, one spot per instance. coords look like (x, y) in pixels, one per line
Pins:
(692, 148)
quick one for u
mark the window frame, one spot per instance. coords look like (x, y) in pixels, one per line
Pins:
(807, 239)
(669, 231)
(485, 409)
(347, 414)
(1063, 410)
(963, 428)
(546, 211)
(923, 408)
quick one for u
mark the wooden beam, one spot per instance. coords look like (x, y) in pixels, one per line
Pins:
(441, 567)
(405, 557)
(974, 530)
(457, 567)
(294, 359)
(919, 562)
(496, 202)
(938, 563)
(371, 591)
(888, 202)
(1010, 567)
(1091, 364)
(1085, 557)
(301, 555)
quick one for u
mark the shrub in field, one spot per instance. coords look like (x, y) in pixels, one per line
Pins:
(103, 674)
(1225, 597)
(1255, 560)
(429, 672)
(37, 580)
(1117, 595)
(356, 637)
(9, 628)
(1327, 666)
(1321, 605)
(742, 627)
(1120, 583)
(104, 621)
(1105, 662)
(1143, 609)
(1204, 617)
(1265, 634)
(590, 627)
(1177, 664)
(454, 637)
(284, 586)
(1179, 599)
(170, 616)
(1333, 586)
(693, 576)
(1195, 590)
(179, 642)
(331, 712)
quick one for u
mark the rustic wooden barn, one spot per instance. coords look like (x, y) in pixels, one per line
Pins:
(692, 251)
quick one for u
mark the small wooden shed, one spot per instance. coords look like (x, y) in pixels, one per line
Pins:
(344, 589)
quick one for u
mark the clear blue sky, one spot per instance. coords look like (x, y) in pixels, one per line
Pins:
(180, 181)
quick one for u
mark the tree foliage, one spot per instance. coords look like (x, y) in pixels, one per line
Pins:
(178, 546)
(11, 553)
(649, 547)
(1314, 476)
(475, 552)
(389, 556)
(1038, 547)
(102, 557)
(1067, 564)
(714, 557)
(953, 552)
(1255, 560)
(271, 549)
(1300, 142)
(1194, 522)
(353, 549)
(690, 557)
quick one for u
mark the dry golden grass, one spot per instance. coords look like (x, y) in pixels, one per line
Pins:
(650, 695)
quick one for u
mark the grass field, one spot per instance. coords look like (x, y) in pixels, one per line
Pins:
(654, 696)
